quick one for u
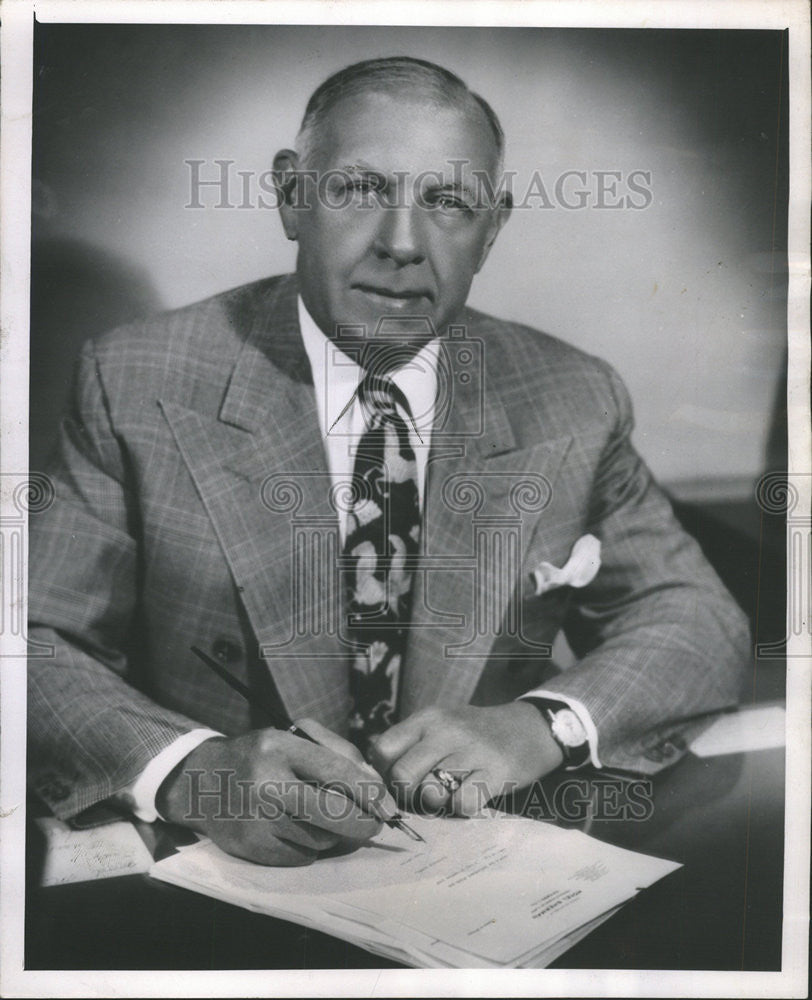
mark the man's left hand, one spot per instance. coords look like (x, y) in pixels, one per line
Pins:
(492, 750)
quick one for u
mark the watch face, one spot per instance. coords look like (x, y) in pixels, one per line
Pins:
(567, 728)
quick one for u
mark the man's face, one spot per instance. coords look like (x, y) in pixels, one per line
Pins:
(391, 227)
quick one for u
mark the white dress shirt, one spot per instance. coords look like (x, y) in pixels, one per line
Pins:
(341, 422)
(341, 418)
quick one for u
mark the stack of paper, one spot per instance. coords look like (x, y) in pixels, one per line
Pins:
(488, 892)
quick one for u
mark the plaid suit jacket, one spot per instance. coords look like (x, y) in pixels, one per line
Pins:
(193, 505)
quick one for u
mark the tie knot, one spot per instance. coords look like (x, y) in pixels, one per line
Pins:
(380, 395)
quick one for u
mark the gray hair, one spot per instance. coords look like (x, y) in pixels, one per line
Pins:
(392, 75)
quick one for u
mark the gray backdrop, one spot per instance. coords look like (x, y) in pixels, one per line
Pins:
(686, 296)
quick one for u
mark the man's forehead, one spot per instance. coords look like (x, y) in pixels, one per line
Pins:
(407, 133)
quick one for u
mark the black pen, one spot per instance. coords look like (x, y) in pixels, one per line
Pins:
(281, 721)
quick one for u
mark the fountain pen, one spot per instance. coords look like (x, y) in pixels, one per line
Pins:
(280, 721)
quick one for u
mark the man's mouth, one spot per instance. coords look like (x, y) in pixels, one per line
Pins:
(396, 297)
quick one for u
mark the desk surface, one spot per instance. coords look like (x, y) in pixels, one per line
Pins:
(721, 817)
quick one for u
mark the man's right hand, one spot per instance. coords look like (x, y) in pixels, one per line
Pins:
(262, 796)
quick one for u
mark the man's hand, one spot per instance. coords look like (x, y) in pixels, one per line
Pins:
(495, 750)
(262, 796)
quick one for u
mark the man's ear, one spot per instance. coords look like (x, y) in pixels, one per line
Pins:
(500, 216)
(285, 167)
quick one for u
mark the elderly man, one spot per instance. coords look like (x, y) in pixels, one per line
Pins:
(374, 507)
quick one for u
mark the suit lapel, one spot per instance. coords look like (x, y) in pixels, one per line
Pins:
(261, 471)
(484, 498)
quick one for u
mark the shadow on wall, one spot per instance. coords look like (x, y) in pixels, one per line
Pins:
(77, 291)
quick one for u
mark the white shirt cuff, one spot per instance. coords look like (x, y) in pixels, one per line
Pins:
(139, 797)
(583, 717)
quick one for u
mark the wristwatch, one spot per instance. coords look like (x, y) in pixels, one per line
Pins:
(567, 730)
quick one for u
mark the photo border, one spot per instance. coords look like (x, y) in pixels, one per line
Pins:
(16, 40)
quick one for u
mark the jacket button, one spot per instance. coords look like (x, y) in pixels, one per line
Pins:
(226, 651)
(673, 746)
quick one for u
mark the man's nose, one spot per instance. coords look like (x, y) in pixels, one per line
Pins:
(399, 235)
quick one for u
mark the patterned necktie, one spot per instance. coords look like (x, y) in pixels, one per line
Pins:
(383, 535)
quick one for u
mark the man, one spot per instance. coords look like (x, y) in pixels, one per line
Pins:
(374, 507)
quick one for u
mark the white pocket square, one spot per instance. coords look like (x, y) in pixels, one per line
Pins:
(579, 570)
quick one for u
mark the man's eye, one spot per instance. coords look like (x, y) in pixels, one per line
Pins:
(450, 203)
(364, 185)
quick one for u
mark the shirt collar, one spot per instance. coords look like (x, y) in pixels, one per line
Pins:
(336, 377)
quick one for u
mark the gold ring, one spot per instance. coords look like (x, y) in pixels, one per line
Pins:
(447, 780)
